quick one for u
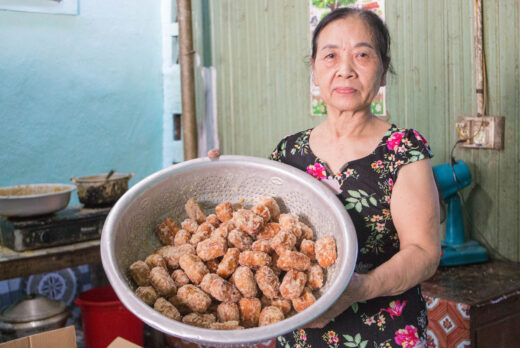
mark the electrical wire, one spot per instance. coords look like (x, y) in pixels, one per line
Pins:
(466, 138)
(496, 254)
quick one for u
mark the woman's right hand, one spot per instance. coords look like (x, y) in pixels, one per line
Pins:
(353, 293)
(214, 154)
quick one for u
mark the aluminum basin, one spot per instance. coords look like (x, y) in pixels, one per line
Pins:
(129, 231)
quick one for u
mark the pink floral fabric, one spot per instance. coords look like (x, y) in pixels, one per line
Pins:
(364, 186)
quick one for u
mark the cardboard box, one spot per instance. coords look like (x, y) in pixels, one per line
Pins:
(59, 338)
(120, 342)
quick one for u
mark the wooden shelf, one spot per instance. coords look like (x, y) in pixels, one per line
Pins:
(20, 264)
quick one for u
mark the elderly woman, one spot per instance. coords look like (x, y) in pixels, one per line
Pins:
(383, 176)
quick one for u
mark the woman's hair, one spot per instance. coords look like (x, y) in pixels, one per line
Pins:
(379, 30)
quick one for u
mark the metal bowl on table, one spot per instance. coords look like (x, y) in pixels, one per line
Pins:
(129, 231)
(101, 190)
(35, 199)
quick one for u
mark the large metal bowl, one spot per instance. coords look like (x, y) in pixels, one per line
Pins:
(35, 199)
(129, 231)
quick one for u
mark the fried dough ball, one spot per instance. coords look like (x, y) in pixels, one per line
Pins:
(248, 221)
(229, 263)
(193, 297)
(262, 211)
(273, 207)
(213, 265)
(307, 248)
(194, 211)
(325, 249)
(140, 273)
(306, 231)
(284, 240)
(293, 260)
(147, 294)
(218, 255)
(228, 311)
(292, 284)
(291, 223)
(270, 315)
(182, 237)
(198, 237)
(190, 225)
(180, 278)
(240, 240)
(254, 259)
(162, 282)
(270, 230)
(165, 307)
(211, 248)
(166, 231)
(287, 219)
(205, 227)
(200, 320)
(245, 281)
(263, 245)
(223, 230)
(224, 211)
(224, 291)
(228, 325)
(155, 260)
(304, 301)
(194, 268)
(274, 266)
(249, 309)
(315, 276)
(213, 220)
(205, 284)
(172, 254)
(284, 304)
(180, 305)
(267, 281)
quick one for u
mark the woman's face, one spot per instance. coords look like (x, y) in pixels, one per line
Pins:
(347, 67)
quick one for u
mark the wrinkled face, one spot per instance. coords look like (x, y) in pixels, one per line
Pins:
(347, 67)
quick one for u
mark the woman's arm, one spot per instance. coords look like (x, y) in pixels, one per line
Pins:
(415, 213)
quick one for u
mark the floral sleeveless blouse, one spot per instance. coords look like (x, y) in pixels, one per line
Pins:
(364, 187)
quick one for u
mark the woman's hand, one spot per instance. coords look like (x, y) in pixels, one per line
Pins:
(353, 293)
(214, 154)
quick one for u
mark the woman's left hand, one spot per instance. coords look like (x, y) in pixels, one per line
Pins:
(353, 293)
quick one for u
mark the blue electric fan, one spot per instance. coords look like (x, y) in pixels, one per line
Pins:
(456, 250)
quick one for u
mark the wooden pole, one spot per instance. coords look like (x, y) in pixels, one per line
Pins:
(478, 58)
(186, 54)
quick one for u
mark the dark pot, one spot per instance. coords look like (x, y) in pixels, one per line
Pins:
(97, 191)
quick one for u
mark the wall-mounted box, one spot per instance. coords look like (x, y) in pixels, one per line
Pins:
(485, 132)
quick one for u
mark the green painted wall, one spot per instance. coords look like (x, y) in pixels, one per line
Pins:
(260, 50)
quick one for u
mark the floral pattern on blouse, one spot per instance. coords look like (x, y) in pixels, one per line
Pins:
(364, 186)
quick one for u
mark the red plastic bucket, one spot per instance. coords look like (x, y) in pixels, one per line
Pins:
(105, 318)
